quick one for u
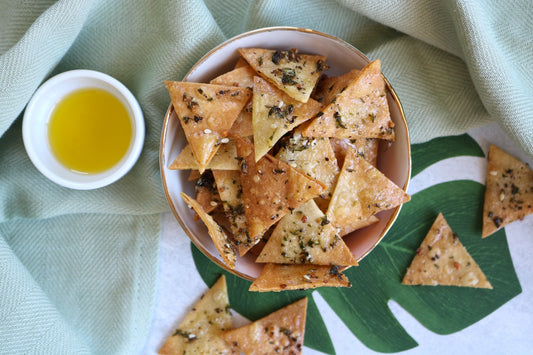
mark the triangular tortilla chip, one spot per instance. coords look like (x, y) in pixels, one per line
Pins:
(201, 330)
(280, 277)
(243, 76)
(206, 113)
(315, 157)
(508, 193)
(362, 191)
(224, 158)
(365, 147)
(305, 236)
(220, 239)
(441, 259)
(294, 73)
(230, 192)
(328, 87)
(240, 63)
(276, 113)
(357, 111)
(280, 332)
(358, 224)
(271, 188)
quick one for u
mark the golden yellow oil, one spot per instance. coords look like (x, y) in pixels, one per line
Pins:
(89, 131)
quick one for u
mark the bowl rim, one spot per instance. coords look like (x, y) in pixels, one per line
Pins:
(170, 111)
(100, 179)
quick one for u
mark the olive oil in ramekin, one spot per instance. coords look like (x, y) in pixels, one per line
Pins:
(89, 131)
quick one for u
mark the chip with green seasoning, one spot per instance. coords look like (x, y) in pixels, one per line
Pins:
(201, 330)
(442, 259)
(206, 113)
(290, 71)
(508, 193)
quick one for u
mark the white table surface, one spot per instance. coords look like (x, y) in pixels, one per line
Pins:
(508, 330)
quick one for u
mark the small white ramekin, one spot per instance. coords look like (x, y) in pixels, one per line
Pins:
(37, 116)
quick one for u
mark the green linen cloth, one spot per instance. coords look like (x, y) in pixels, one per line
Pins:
(78, 269)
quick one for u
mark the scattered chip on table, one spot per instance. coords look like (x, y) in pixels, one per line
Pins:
(282, 277)
(220, 239)
(201, 330)
(294, 73)
(508, 192)
(281, 332)
(206, 113)
(358, 111)
(442, 259)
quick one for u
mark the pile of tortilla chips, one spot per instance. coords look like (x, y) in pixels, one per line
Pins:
(208, 329)
(286, 162)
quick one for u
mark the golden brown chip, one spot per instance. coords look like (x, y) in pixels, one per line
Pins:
(348, 228)
(281, 332)
(220, 239)
(230, 190)
(359, 110)
(294, 73)
(240, 63)
(274, 114)
(224, 158)
(328, 87)
(242, 77)
(305, 236)
(271, 188)
(441, 259)
(194, 175)
(206, 113)
(365, 147)
(280, 277)
(315, 157)
(201, 330)
(508, 193)
(362, 191)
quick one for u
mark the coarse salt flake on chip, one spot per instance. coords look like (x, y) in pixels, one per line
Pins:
(220, 239)
(271, 188)
(294, 73)
(442, 259)
(274, 114)
(206, 113)
(359, 110)
(305, 236)
(282, 277)
(508, 192)
(362, 191)
(280, 332)
(201, 330)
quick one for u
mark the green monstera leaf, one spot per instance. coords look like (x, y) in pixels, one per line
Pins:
(363, 307)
